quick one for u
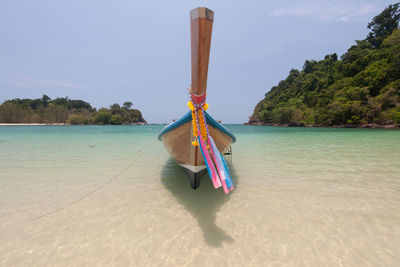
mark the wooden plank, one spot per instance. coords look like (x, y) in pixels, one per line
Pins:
(178, 143)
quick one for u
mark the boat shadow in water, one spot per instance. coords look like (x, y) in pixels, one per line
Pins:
(203, 203)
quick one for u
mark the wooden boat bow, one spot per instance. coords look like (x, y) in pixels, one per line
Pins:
(196, 141)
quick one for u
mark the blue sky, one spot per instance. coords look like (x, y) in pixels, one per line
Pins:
(107, 52)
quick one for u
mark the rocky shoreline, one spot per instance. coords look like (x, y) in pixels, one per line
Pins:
(370, 125)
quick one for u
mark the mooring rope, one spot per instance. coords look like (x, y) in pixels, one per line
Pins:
(97, 188)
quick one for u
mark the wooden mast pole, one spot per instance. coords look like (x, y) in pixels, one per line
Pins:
(201, 21)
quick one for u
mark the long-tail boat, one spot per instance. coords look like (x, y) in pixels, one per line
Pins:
(196, 141)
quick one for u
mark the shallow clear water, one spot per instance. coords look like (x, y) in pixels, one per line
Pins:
(110, 195)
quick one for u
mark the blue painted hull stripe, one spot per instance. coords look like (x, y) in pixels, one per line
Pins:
(188, 117)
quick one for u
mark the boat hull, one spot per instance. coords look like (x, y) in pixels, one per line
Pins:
(178, 137)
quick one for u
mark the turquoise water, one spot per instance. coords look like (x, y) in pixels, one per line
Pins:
(110, 195)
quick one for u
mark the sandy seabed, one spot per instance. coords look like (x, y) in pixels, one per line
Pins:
(301, 198)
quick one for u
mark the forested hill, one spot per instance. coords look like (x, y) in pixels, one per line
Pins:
(360, 88)
(65, 110)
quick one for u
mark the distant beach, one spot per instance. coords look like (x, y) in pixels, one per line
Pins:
(30, 124)
(57, 124)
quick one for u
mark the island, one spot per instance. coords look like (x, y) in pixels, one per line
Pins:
(65, 111)
(361, 89)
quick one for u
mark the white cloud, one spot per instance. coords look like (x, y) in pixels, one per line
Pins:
(28, 81)
(56, 83)
(332, 10)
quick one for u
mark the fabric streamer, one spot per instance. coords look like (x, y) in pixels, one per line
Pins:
(222, 168)
(216, 166)
(210, 165)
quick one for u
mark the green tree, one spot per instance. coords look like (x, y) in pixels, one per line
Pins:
(308, 66)
(102, 117)
(128, 104)
(45, 100)
(36, 103)
(60, 101)
(115, 108)
(116, 120)
(383, 25)
(78, 104)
